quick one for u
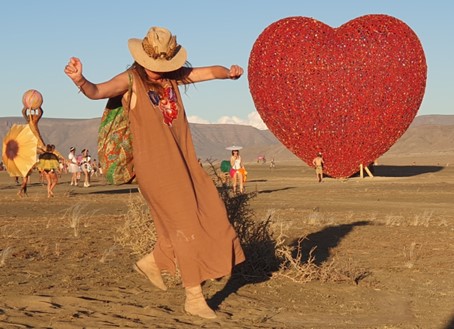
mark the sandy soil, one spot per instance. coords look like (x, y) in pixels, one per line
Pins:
(398, 227)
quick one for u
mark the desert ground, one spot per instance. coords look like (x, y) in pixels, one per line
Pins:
(388, 241)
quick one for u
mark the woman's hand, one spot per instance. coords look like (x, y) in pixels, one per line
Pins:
(235, 72)
(74, 71)
(199, 74)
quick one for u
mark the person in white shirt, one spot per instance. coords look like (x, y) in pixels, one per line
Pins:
(73, 166)
(85, 165)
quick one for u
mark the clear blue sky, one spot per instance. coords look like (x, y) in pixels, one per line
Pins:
(38, 37)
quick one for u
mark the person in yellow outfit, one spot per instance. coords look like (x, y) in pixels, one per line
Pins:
(49, 166)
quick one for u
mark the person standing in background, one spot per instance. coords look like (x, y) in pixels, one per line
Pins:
(237, 171)
(73, 166)
(85, 165)
(318, 164)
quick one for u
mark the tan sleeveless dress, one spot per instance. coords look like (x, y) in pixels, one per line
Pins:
(194, 233)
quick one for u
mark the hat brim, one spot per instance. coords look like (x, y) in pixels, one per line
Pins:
(156, 65)
(234, 148)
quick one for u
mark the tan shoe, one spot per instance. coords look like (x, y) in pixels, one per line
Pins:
(147, 267)
(196, 304)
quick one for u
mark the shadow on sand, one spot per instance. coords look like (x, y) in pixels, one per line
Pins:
(257, 180)
(403, 171)
(450, 324)
(124, 190)
(325, 240)
(276, 190)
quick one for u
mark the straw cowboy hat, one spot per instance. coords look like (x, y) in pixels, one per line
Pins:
(158, 51)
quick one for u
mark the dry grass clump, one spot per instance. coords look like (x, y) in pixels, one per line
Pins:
(8, 232)
(138, 232)
(4, 255)
(76, 215)
(411, 254)
(107, 253)
(425, 218)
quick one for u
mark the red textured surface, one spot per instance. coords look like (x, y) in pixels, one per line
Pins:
(348, 92)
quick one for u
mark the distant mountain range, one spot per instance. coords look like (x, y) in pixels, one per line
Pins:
(428, 134)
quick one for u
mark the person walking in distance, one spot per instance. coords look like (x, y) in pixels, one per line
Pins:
(49, 166)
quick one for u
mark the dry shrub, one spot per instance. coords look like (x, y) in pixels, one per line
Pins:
(257, 240)
(256, 237)
(295, 268)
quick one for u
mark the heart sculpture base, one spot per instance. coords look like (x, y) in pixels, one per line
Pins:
(348, 92)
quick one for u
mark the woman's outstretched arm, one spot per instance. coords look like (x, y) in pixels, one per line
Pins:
(118, 85)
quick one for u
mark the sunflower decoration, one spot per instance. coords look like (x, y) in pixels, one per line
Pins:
(19, 150)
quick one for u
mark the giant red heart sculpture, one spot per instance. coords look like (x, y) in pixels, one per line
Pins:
(348, 92)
